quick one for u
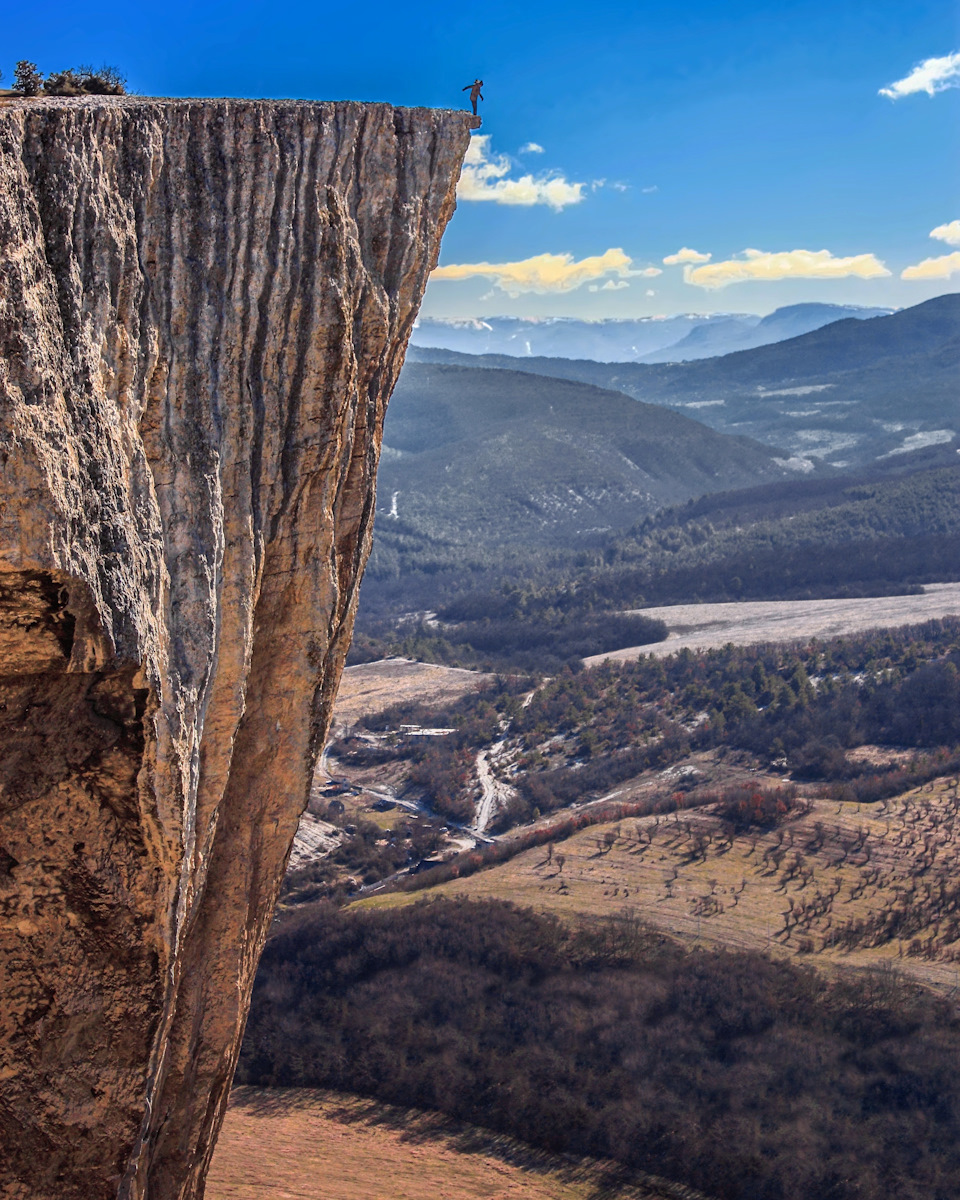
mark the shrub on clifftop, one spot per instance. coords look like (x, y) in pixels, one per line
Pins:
(85, 81)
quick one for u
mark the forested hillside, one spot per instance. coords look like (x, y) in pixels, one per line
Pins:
(875, 534)
(803, 706)
(745, 1078)
(525, 509)
(494, 458)
(844, 394)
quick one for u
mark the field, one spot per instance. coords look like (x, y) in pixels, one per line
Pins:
(840, 884)
(371, 687)
(301, 1144)
(708, 626)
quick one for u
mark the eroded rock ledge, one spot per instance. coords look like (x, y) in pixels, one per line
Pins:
(204, 306)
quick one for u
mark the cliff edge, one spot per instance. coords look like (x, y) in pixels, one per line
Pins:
(204, 306)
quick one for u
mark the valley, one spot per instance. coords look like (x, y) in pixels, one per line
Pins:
(504, 762)
(844, 395)
(636, 837)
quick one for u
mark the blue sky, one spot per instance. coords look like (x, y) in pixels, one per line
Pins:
(714, 129)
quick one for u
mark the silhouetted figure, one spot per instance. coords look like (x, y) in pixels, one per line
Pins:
(475, 93)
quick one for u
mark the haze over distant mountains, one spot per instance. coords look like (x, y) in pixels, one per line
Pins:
(647, 339)
(843, 395)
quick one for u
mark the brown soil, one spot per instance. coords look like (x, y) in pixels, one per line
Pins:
(300, 1144)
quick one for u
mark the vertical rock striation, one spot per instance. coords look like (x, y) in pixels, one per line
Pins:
(204, 306)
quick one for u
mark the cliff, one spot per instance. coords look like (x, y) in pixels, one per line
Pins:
(204, 306)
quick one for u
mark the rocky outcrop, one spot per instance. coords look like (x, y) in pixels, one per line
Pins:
(204, 306)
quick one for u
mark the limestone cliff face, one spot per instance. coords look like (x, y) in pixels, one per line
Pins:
(204, 306)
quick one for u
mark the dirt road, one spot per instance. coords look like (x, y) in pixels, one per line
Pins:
(493, 792)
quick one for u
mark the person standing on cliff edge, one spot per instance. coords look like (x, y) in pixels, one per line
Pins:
(475, 93)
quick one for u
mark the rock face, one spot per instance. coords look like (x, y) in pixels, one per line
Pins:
(204, 306)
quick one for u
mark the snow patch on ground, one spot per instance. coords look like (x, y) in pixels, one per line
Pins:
(917, 441)
(808, 390)
(796, 463)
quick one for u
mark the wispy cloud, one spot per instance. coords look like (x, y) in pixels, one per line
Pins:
(612, 285)
(931, 76)
(531, 148)
(486, 177)
(949, 233)
(934, 268)
(649, 190)
(759, 265)
(550, 272)
(686, 255)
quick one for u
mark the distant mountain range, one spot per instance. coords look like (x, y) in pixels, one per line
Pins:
(724, 337)
(647, 339)
(845, 394)
(488, 456)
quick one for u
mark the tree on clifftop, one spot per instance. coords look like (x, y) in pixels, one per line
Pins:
(27, 80)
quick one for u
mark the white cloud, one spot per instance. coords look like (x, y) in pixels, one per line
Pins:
(614, 285)
(649, 292)
(647, 191)
(484, 177)
(786, 264)
(531, 148)
(949, 233)
(686, 255)
(648, 272)
(931, 76)
(545, 272)
(943, 266)
(934, 268)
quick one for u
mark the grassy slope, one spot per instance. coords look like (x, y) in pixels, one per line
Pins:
(305, 1144)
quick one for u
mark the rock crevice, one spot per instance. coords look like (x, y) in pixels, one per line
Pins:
(204, 306)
